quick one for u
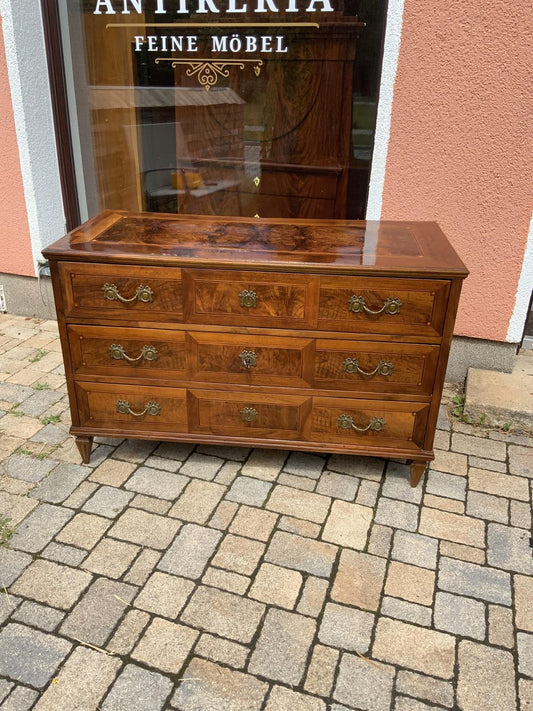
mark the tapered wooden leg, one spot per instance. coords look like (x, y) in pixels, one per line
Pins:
(85, 445)
(417, 469)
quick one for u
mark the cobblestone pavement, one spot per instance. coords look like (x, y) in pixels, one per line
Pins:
(169, 576)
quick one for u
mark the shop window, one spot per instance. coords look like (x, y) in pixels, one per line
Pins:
(229, 107)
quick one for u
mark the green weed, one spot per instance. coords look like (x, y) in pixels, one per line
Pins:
(7, 531)
(38, 355)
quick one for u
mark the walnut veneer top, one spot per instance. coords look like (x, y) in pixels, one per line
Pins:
(346, 246)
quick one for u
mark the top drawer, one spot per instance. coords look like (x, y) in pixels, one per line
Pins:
(127, 293)
(406, 307)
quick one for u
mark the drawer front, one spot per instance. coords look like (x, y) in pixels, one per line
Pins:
(414, 307)
(132, 409)
(254, 415)
(248, 360)
(117, 291)
(250, 298)
(367, 423)
(374, 367)
(126, 352)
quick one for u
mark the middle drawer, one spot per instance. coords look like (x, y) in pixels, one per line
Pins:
(248, 359)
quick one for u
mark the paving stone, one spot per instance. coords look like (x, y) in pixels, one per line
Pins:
(413, 647)
(51, 434)
(144, 528)
(523, 602)
(168, 465)
(415, 548)
(12, 563)
(151, 504)
(205, 685)
(98, 612)
(112, 472)
(21, 699)
(174, 450)
(300, 553)
(239, 454)
(475, 581)
(5, 688)
(501, 630)
(486, 678)
(283, 645)
(53, 584)
(359, 580)
(397, 484)
(525, 692)
(30, 656)
(154, 482)
(14, 393)
(513, 487)
(489, 507)
(111, 558)
(226, 475)
(410, 582)
(16, 508)
(524, 643)
(451, 462)
(447, 485)
(313, 596)
(247, 490)
(80, 494)
(398, 514)
(201, 466)
(253, 523)
(457, 550)
(60, 483)
(138, 689)
(20, 426)
(84, 530)
(491, 464)
(479, 446)
(128, 632)
(223, 515)
(190, 552)
(368, 493)
(8, 605)
(364, 467)
(165, 645)
(164, 595)
(238, 554)
(223, 579)
(264, 464)
(404, 703)
(198, 501)
(304, 464)
(520, 461)
(222, 650)
(452, 527)
(520, 514)
(276, 586)
(459, 615)
(81, 683)
(509, 548)
(339, 486)
(61, 553)
(380, 540)
(108, 501)
(364, 685)
(407, 611)
(425, 687)
(299, 526)
(282, 699)
(135, 450)
(296, 482)
(22, 466)
(348, 524)
(223, 613)
(142, 567)
(321, 671)
(442, 440)
(346, 628)
(31, 613)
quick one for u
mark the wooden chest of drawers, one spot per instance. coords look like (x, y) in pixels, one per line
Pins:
(327, 336)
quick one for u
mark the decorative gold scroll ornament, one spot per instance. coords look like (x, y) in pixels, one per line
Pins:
(208, 71)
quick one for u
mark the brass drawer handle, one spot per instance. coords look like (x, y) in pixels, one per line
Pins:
(151, 408)
(384, 367)
(248, 414)
(248, 299)
(248, 359)
(392, 305)
(117, 352)
(376, 424)
(142, 293)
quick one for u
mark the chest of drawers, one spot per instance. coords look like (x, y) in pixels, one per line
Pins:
(328, 336)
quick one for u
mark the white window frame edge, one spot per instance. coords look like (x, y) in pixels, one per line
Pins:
(27, 68)
(523, 292)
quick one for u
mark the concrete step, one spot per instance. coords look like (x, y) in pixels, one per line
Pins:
(505, 399)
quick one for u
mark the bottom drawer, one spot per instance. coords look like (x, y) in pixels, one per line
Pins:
(132, 409)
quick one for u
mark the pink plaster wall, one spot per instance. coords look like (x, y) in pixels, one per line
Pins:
(15, 252)
(460, 145)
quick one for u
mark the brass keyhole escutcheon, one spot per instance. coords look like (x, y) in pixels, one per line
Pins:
(248, 414)
(248, 299)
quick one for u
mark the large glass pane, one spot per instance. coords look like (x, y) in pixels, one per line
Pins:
(229, 107)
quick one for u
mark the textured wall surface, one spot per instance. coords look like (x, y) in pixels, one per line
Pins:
(460, 145)
(15, 252)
